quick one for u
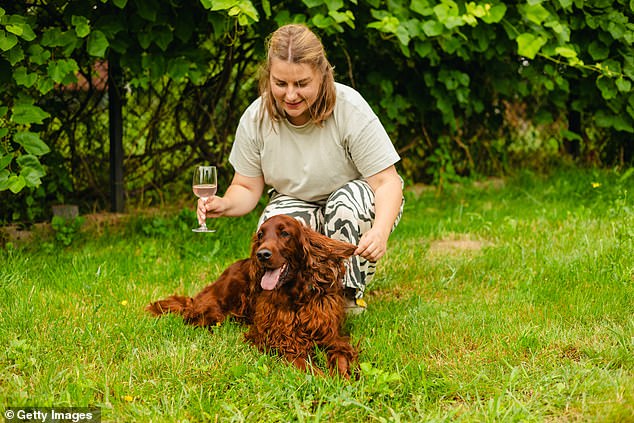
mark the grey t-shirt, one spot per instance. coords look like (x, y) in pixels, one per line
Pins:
(310, 162)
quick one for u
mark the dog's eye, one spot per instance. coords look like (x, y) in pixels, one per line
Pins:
(284, 234)
(260, 235)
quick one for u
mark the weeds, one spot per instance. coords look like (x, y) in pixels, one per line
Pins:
(66, 229)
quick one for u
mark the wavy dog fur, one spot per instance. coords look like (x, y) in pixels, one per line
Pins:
(289, 292)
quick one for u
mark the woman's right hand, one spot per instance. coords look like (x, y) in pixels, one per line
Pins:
(214, 206)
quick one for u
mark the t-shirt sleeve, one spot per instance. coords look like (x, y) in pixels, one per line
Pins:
(245, 156)
(367, 141)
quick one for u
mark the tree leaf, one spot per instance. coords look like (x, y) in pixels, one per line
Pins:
(453, 22)
(4, 179)
(7, 41)
(29, 160)
(38, 55)
(5, 160)
(266, 6)
(623, 85)
(423, 49)
(15, 55)
(31, 176)
(59, 69)
(44, 85)
(247, 8)
(31, 142)
(55, 37)
(145, 39)
(598, 50)
(25, 31)
(607, 87)
(334, 4)
(184, 26)
(535, 13)
(155, 63)
(28, 113)
(495, 14)
(147, 9)
(97, 44)
(82, 25)
(433, 28)
(321, 21)
(609, 120)
(162, 37)
(23, 78)
(14, 29)
(16, 183)
(529, 45)
(445, 10)
(177, 68)
(387, 24)
(421, 7)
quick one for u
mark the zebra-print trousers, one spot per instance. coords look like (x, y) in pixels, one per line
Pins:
(347, 214)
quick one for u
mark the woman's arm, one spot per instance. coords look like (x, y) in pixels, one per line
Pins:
(240, 198)
(388, 196)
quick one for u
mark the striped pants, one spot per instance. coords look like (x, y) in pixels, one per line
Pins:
(347, 214)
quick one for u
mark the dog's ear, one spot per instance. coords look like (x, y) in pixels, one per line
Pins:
(324, 257)
(341, 248)
(306, 245)
(324, 248)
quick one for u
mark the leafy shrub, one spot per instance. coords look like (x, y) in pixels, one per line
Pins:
(447, 78)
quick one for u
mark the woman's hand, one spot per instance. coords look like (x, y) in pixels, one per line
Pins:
(372, 245)
(212, 207)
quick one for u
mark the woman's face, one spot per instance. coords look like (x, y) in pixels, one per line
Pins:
(295, 88)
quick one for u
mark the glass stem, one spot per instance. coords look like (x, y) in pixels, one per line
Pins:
(204, 224)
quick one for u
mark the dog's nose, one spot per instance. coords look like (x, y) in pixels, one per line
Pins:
(264, 254)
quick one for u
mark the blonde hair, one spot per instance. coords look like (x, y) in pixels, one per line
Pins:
(296, 43)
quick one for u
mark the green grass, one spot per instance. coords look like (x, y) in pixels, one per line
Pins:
(494, 303)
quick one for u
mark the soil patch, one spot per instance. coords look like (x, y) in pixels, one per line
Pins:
(457, 244)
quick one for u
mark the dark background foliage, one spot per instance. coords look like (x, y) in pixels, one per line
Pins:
(464, 88)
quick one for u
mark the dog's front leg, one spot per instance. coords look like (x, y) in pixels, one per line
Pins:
(303, 364)
(341, 356)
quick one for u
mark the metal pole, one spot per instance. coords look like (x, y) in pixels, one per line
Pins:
(117, 199)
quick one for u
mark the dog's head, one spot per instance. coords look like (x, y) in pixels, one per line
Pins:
(285, 250)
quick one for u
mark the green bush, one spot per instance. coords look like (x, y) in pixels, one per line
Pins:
(463, 87)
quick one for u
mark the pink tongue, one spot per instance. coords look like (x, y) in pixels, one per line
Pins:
(270, 278)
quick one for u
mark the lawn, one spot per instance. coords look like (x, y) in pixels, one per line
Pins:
(500, 300)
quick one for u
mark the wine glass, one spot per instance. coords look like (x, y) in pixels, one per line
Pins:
(205, 184)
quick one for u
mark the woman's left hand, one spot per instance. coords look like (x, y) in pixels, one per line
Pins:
(372, 245)
(388, 197)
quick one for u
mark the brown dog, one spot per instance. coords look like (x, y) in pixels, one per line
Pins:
(289, 292)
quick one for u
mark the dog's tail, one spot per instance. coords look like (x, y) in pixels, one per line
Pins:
(177, 304)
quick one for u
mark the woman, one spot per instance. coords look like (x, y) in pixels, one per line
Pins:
(323, 151)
